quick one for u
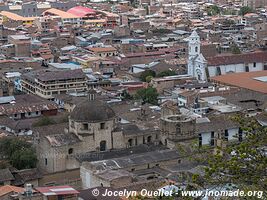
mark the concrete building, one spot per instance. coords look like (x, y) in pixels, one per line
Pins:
(120, 172)
(22, 45)
(104, 51)
(32, 9)
(66, 18)
(47, 83)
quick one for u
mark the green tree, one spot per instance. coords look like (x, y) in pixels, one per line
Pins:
(126, 95)
(166, 73)
(244, 10)
(228, 22)
(44, 121)
(24, 159)
(148, 95)
(147, 73)
(213, 10)
(148, 79)
(229, 12)
(243, 164)
(235, 49)
(18, 152)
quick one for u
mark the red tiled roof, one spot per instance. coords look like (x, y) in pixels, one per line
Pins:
(244, 80)
(8, 189)
(236, 59)
(154, 53)
(101, 49)
(81, 11)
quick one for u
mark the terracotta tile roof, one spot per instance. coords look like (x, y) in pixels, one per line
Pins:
(8, 189)
(154, 53)
(102, 49)
(216, 123)
(47, 56)
(55, 75)
(27, 103)
(81, 11)
(244, 80)
(236, 59)
(60, 13)
(16, 17)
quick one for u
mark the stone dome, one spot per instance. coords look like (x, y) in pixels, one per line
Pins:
(92, 111)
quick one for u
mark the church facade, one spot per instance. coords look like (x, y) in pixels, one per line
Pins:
(203, 68)
(93, 127)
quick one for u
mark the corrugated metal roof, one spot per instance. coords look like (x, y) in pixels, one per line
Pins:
(7, 99)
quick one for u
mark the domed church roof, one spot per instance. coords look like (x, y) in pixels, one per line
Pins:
(92, 110)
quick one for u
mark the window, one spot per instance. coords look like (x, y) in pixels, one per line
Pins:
(179, 161)
(130, 142)
(254, 64)
(103, 145)
(149, 139)
(212, 138)
(45, 161)
(226, 134)
(85, 126)
(102, 125)
(218, 71)
(200, 139)
(70, 151)
(37, 112)
(29, 113)
(240, 135)
(196, 49)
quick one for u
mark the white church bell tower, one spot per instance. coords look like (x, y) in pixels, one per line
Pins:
(196, 61)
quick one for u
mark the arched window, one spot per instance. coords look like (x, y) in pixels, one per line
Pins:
(103, 145)
(196, 49)
(70, 151)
